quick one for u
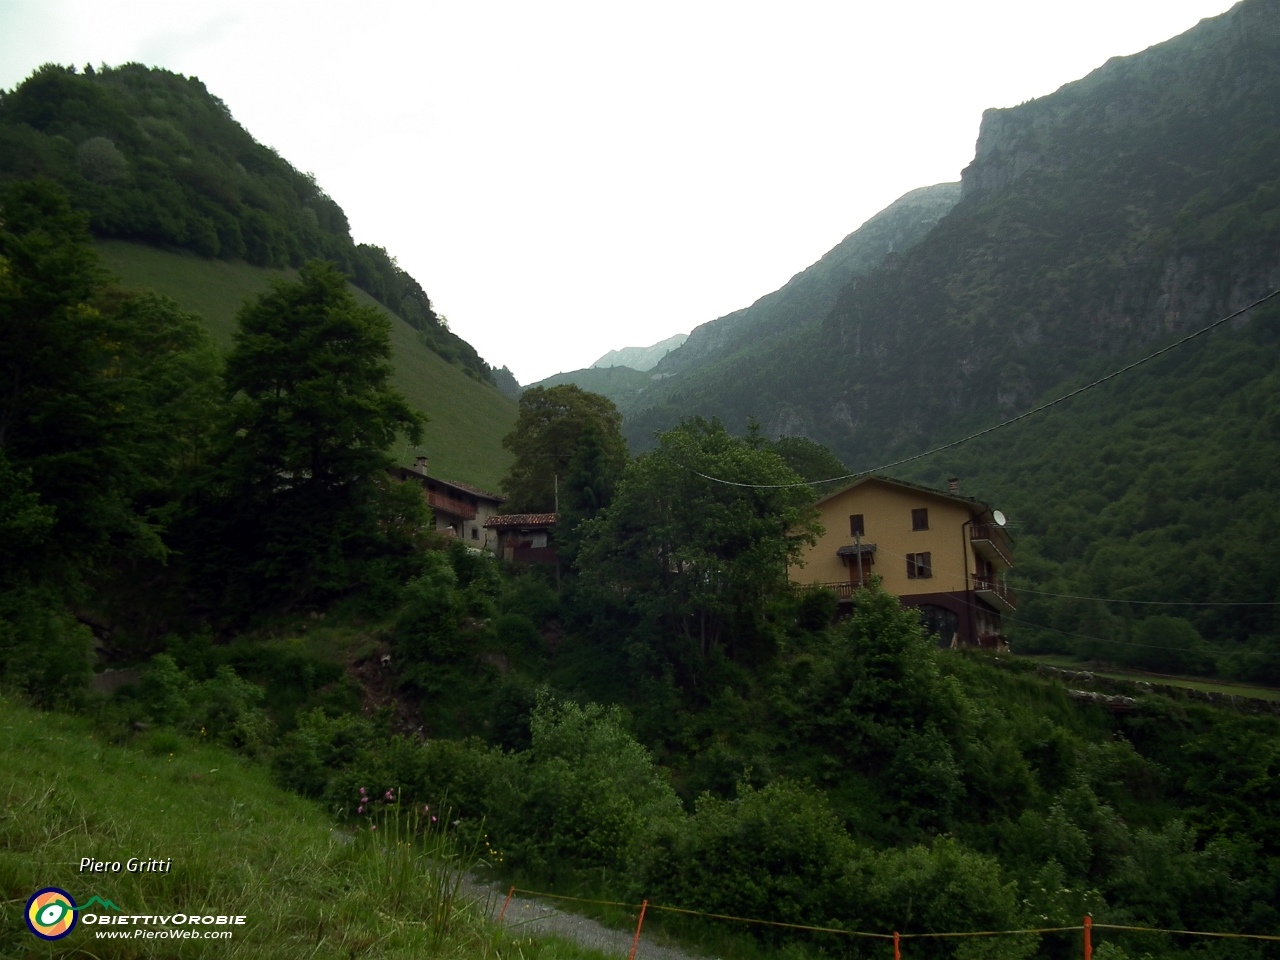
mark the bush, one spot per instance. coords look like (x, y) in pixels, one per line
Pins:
(582, 796)
(224, 708)
(779, 853)
(44, 652)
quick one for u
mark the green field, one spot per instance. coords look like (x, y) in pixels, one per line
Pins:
(1195, 683)
(468, 419)
(238, 846)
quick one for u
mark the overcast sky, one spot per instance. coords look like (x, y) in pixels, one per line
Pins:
(566, 179)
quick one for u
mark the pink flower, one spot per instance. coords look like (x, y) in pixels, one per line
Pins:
(374, 827)
(362, 789)
(426, 809)
(360, 809)
(388, 794)
(433, 819)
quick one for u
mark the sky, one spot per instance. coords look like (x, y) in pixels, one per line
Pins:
(565, 179)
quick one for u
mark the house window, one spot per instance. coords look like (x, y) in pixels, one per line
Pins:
(919, 566)
(856, 529)
(475, 533)
(920, 519)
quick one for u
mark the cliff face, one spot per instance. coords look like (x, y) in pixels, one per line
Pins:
(1189, 74)
(1131, 205)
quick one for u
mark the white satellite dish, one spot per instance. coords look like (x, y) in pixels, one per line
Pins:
(999, 518)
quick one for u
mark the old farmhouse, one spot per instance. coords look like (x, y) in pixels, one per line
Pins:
(460, 509)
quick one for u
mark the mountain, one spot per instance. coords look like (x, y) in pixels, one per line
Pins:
(1097, 224)
(1098, 221)
(155, 158)
(809, 295)
(623, 385)
(641, 358)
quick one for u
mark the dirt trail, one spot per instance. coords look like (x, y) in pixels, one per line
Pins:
(526, 914)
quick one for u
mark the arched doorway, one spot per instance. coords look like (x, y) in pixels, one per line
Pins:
(942, 623)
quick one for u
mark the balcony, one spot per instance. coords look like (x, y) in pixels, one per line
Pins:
(449, 505)
(992, 543)
(994, 592)
(843, 589)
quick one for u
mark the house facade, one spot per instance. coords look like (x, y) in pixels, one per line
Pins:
(460, 509)
(944, 554)
(525, 537)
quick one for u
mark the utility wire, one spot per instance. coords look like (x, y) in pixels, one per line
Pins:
(1158, 603)
(1003, 423)
(948, 575)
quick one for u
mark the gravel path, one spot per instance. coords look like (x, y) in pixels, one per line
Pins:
(542, 917)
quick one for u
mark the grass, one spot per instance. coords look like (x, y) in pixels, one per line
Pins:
(239, 846)
(468, 418)
(1228, 687)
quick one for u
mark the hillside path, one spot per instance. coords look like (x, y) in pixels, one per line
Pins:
(542, 917)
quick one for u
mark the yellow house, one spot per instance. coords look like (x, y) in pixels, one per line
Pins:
(939, 552)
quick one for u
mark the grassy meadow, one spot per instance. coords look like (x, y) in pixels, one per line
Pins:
(238, 844)
(468, 418)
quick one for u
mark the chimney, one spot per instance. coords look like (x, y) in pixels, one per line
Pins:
(420, 465)
(953, 486)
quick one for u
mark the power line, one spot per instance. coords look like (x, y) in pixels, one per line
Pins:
(1158, 603)
(1069, 596)
(1003, 423)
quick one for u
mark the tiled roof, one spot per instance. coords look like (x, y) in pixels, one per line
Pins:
(470, 489)
(405, 473)
(522, 520)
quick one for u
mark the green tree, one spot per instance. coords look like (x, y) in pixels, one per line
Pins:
(697, 553)
(64, 419)
(549, 430)
(294, 500)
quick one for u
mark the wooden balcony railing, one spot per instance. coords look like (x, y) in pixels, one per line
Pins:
(449, 505)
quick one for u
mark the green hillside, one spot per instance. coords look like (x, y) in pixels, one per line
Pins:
(468, 417)
(624, 386)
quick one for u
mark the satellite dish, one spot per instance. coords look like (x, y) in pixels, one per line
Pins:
(999, 518)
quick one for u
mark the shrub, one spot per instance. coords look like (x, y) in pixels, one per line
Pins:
(582, 796)
(779, 853)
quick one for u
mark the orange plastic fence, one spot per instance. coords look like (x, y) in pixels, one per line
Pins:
(1087, 925)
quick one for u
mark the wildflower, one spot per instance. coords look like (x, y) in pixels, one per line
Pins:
(388, 794)
(362, 789)
(374, 827)
(425, 809)
(360, 809)
(433, 819)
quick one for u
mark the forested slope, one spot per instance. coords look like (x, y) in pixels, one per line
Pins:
(804, 300)
(155, 157)
(1141, 201)
(1097, 224)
